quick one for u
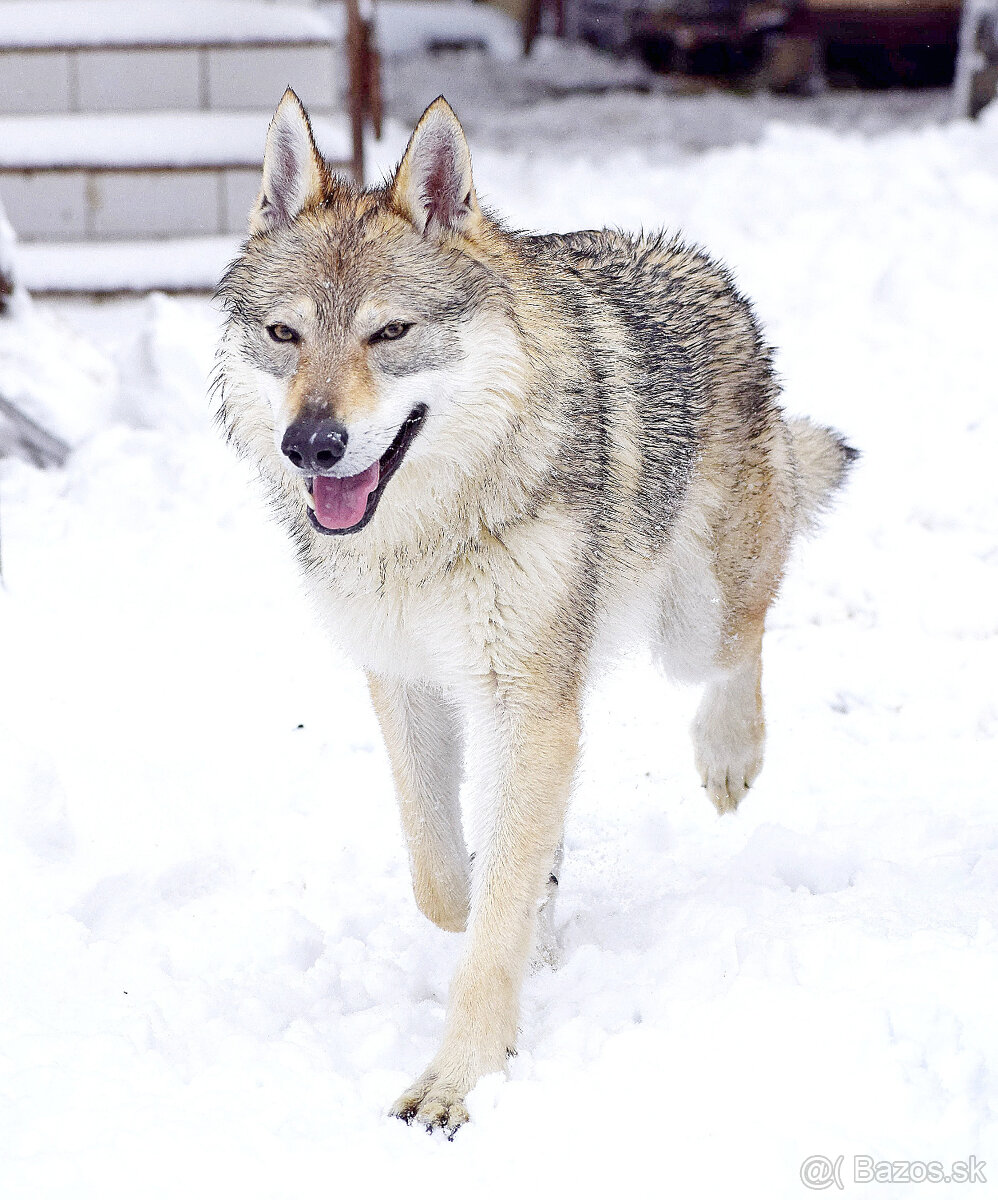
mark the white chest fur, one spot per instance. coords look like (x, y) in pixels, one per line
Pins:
(448, 614)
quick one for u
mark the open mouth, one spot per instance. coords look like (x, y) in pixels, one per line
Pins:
(346, 505)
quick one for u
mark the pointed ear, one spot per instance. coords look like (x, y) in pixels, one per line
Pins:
(294, 174)
(432, 187)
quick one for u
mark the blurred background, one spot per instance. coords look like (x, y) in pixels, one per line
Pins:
(131, 130)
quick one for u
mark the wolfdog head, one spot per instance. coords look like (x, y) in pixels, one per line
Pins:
(364, 327)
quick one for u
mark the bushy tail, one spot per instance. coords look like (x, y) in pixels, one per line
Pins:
(823, 458)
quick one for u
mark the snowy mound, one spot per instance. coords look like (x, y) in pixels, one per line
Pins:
(57, 389)
(53, 385)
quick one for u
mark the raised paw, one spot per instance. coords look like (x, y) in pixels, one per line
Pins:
(431, 1103)
(729, 737)
(727, 785)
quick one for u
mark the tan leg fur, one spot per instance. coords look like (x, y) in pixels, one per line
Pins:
(535, 739)
(422, 734)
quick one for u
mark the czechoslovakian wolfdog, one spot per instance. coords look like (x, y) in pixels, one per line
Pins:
(499, 456)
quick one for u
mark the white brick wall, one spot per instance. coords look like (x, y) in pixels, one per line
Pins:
(153, 204)
(140, 80)
(76, 205)
(41, 206)
(240, 190)
(39, 82)
(79, 205)
(239, 78)
(49, 81)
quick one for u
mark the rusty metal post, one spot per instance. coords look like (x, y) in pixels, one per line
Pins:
(530, 23)
(357, 74)
(374, 104)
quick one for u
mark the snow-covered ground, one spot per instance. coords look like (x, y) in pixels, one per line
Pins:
(556, 101)
(214, 976)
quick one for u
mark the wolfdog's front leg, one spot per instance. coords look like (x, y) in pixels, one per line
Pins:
(533, 742)
(423, 735)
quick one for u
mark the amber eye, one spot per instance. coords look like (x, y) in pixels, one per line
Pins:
(283, 333)
(392, 331)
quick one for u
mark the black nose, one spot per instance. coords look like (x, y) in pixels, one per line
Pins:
(315, 444)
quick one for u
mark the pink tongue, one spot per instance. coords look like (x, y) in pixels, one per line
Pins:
(341, 503)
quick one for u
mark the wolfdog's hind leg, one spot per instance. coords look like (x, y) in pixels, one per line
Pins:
(729, 731)
(422, 732)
